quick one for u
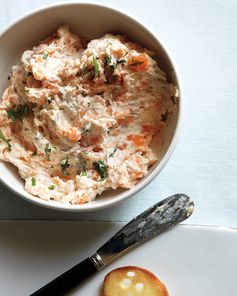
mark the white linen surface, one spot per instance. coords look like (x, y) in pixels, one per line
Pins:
(201, 36)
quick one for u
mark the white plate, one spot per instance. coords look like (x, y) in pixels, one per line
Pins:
(190, 260)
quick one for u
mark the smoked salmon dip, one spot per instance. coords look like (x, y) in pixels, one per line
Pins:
(81, 117)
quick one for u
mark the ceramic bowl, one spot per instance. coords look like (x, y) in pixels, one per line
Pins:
(89, 21)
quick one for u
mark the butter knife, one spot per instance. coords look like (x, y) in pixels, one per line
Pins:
(154, 221)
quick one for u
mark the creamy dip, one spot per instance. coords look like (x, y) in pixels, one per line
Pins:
(79, 118)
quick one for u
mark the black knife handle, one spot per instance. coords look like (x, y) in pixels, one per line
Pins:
(68, 280)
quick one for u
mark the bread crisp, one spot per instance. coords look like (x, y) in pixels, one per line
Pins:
(133, 281)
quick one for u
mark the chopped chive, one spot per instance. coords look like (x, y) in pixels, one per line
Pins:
(101, 169)
(112, 154)
(122, 61)
(45, 55)
(83, 174)
(5, 140)
(47, 150)
(21, 111)
(86, 130)
(33, 181)
(64, 165)
(85, 70)
(51, 187)
(109, 69)
(135, 63)
(95, 67)
(50, 98)
(108, 60)
(34, 153)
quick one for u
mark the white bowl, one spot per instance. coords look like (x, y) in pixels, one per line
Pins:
(90, 21)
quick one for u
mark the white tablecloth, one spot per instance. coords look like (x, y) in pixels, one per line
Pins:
(201, 36)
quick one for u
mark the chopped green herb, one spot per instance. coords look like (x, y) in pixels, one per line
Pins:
(95, 67)
(109, 68)
(86, 131)
(21, 111)
(27, 90)
(34, 153)
(108, 60)
(85, 70)
(101, 169)
(45, 55)
(122, 61)
(112, 154)
(135, 63)
(47, 150)
(50, 98)
(51, 187)
(33, 181)
(83, 174)
(5, 140)
(64, 165)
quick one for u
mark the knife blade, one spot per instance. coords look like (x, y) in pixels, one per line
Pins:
(154, 221)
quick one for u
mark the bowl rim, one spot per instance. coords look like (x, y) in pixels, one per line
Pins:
(147, 179)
